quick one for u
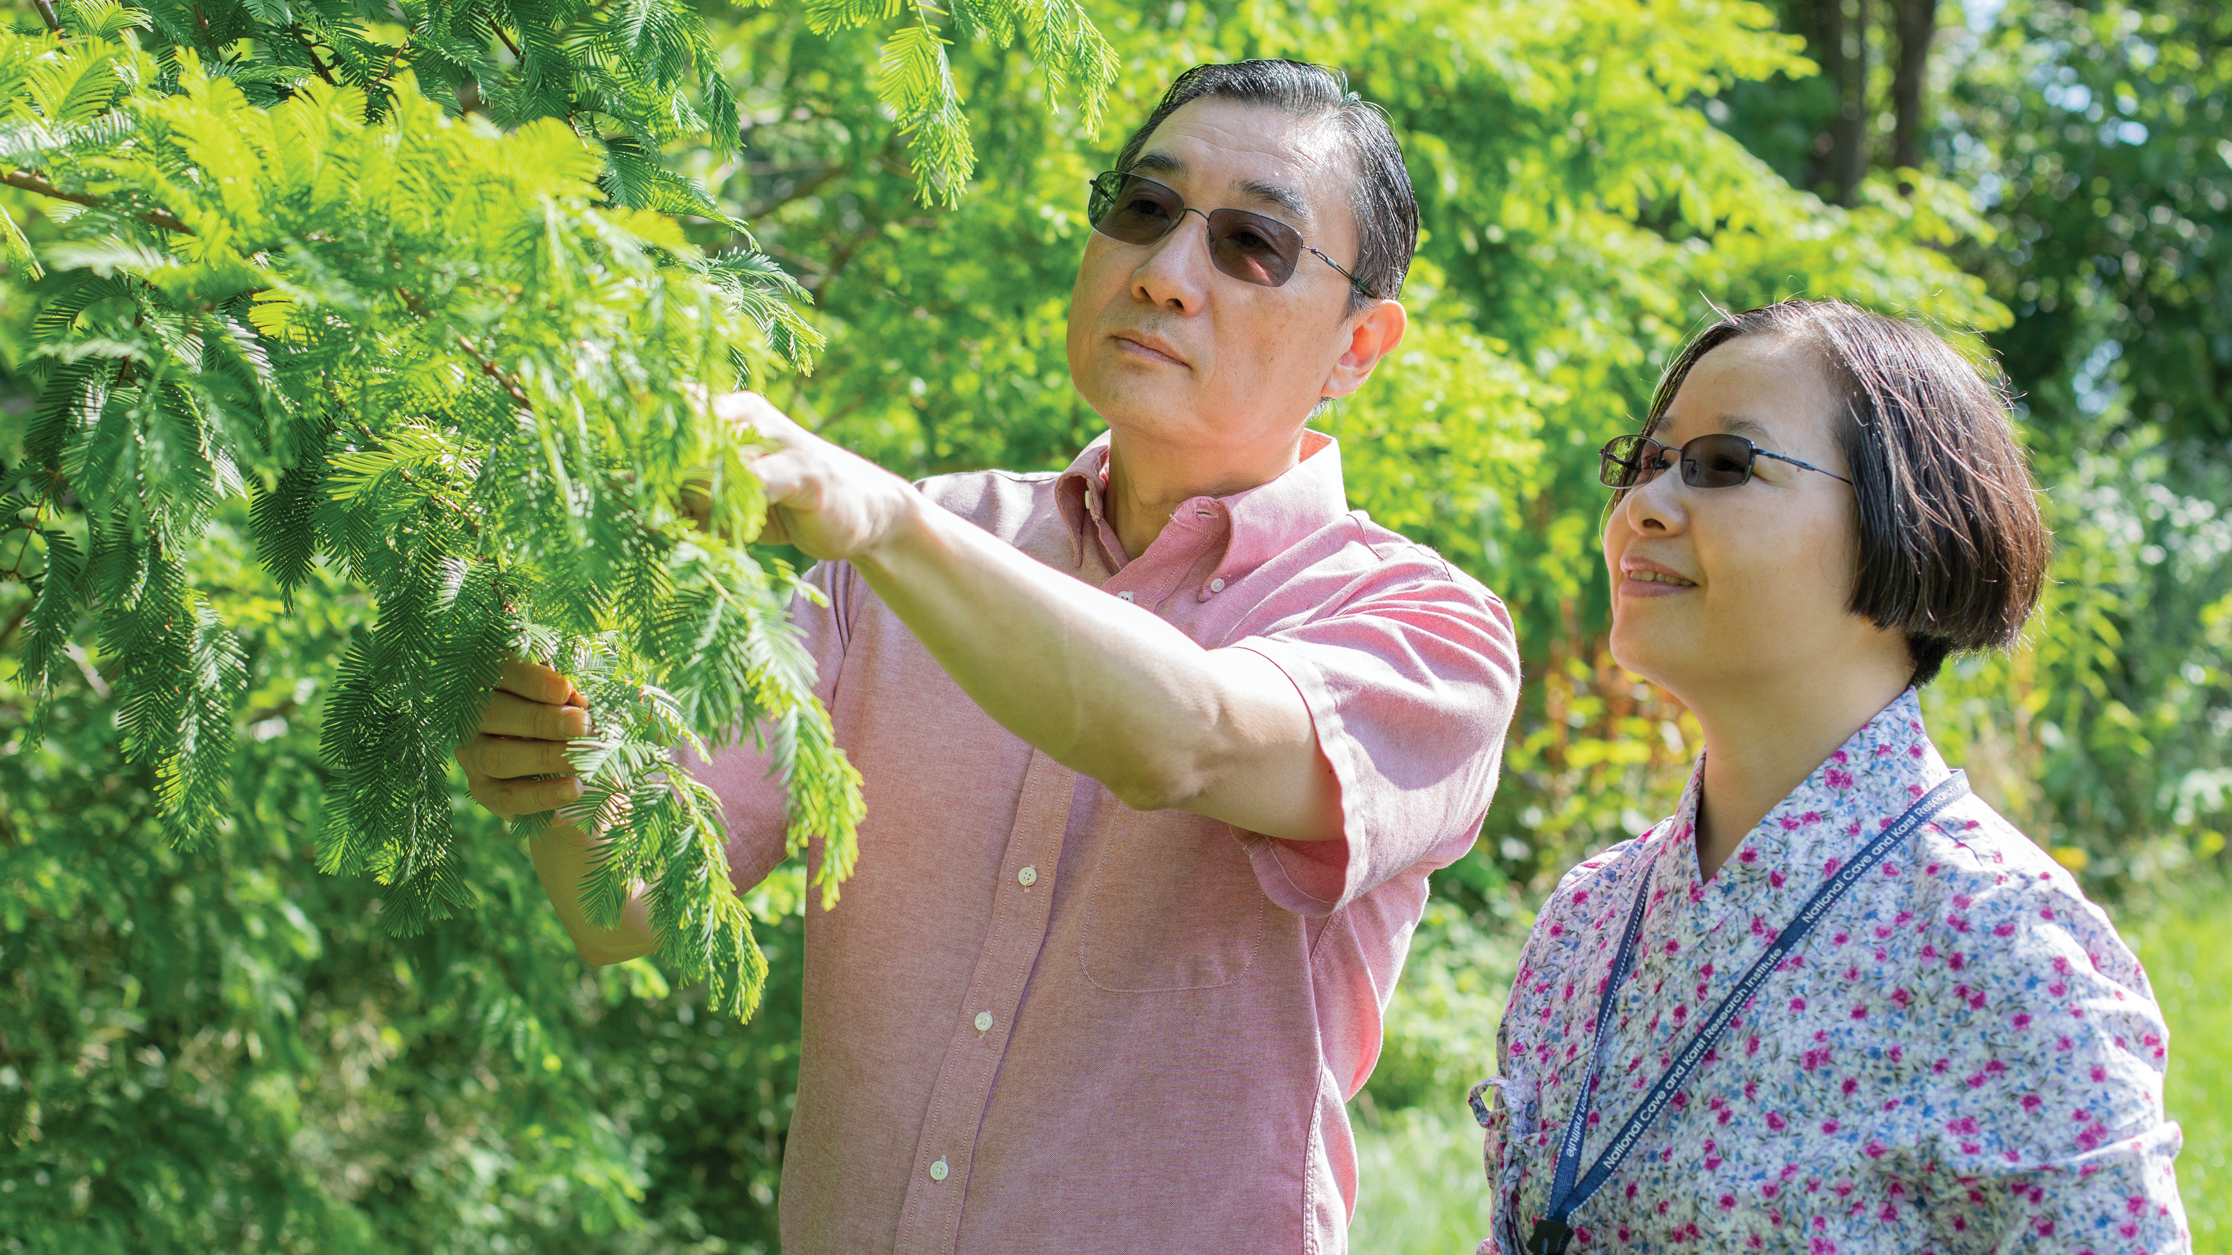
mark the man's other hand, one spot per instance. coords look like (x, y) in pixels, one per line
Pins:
(517, 764)
(832, 503)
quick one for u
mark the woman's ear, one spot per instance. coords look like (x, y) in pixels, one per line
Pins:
(1373, 334)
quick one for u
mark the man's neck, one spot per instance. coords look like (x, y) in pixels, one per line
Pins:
(1148, 480)
(1760, 745)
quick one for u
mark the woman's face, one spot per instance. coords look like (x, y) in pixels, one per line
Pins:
(1721, 591)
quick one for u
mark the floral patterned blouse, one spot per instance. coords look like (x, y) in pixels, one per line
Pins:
(1962, 1056)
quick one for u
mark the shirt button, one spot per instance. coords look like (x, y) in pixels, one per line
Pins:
(1216, 586)
(1027, 877)
(1123, 596)
(984, 1021)
(938, 1170)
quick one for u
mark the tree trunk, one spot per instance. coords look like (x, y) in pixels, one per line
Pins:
(1848, 52)
(1917, 22)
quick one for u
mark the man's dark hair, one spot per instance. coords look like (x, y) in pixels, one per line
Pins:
(1952, 548)
(1386, 211)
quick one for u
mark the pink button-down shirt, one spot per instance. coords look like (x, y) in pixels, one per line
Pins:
(1038, 1020)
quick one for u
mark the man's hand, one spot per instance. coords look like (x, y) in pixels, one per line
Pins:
(517, 764)
(831, 503)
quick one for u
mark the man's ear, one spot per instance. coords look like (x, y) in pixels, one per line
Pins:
(1373, 334)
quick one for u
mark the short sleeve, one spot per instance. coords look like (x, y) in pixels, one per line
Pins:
(1411, 690)
(2056, 1137)
(754, 804)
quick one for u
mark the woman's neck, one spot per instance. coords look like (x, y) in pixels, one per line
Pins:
(1760, 745)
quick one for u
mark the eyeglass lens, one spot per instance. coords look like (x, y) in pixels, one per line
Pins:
(1715, 461)
(1250, 247)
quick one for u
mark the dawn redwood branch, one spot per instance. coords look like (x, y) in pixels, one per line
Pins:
(47, 11)
(30, 182)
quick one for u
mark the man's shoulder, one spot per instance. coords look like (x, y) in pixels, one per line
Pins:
(1000, 502)
(1396, 559)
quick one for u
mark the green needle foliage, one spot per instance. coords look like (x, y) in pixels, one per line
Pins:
(413, 291)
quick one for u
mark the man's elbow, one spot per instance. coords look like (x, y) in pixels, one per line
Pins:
(1161, 784)
(604, 952)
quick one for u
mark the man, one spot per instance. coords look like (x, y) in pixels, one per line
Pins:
(1158, 751)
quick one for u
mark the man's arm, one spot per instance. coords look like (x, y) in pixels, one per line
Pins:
(517, 766)
(1101, 686)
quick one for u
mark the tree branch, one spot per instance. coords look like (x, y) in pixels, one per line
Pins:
(312, 53)
(517, 55)
(30, 182)
(46, 11)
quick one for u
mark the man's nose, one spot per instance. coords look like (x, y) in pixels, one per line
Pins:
(1175, 273)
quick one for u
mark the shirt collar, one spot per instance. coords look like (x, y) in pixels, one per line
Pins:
(1256, 524)
(1862, 787)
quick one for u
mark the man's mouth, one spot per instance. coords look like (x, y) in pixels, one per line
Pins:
(1656, 577)
(1149, 347)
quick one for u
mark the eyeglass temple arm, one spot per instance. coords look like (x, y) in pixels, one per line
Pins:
(1779, 457)
(1354, 282)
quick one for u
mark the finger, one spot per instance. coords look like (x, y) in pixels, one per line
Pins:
(510, 799)
(534, 721)
(785, 477)
(750, 409)
(501, 758)
(534, 681)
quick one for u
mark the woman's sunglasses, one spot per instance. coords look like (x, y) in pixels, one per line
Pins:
(1249, 247)
(1716, 461)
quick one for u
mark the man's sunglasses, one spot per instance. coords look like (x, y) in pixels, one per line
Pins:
(1250, 247)
(1716, 461)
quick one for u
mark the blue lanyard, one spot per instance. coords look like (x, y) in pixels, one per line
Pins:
(1551, 1232)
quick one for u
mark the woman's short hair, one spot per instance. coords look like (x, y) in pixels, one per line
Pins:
(1953, 550)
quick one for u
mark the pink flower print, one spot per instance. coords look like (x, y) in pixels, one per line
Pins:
(1789, 824)
(1837, 779)
(1852, 972)
(1813, 1059)
(2099, 1074)
(1898, 1053)
(1958, 961)
(1751, 1047)
(1828, 1126)
(1958, 923)
(1557, 930)
(2032, 1102)
(1887, 1213)
(1830, 868)
(2063, 1043)
(1929, 951)
(1965, 1126)
(1877, 1150)
(1840, 939)
(1747, 856)
(1775, 1124)
(1769, 1190)
(1797, 1004)
(2022, 1019)
(1821, 1246)
(1759, 926)
(1900, 998)
(1851, 1084)
(2003, 930)
(1751, 1088)
(1776, 879)
(1728, 1202)
(1941, 1067)
(1580, 897)
(1890, 868)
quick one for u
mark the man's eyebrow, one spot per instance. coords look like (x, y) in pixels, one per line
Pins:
(1284, 199)
(1738, 425)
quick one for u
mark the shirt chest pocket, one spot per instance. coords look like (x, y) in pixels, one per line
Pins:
(1171, 907)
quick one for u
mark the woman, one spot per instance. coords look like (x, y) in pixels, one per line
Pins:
(1951, 1050)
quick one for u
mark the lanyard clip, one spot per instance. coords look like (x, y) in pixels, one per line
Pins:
(1550, 1237)
(1492, 1087)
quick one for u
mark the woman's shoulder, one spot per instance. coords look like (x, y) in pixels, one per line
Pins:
(1997, 899)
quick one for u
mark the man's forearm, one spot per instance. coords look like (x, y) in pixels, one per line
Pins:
(562, 858)
(1104, 687)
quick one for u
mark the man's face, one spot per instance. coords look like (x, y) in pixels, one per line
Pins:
(1165, 346)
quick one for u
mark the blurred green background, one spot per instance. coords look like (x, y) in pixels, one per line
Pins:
(219, 1049)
